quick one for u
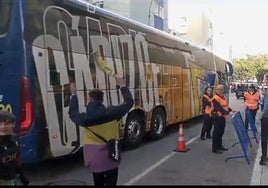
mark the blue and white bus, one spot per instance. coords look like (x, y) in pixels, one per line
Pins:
(46, 44)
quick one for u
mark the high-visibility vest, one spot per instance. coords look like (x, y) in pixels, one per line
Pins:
(224, 104)
(251, 100)
(208, 108)
(106, 130)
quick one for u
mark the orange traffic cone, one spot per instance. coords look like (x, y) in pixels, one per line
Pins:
(181, 146)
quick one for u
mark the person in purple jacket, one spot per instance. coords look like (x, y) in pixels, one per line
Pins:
(103, 121)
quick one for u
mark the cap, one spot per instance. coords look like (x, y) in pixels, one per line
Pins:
(6, 116)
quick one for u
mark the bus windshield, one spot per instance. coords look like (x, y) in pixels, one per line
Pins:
(5, 13)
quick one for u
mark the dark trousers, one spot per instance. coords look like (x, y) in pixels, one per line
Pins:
(253, 116)
(264, 135)
(207, 126)
(107, 178)
(218, 131)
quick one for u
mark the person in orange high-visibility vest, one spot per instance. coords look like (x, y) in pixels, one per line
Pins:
(206, 111)
(251, 99)
(219, 114)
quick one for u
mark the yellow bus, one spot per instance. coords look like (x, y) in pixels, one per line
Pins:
(44, 45)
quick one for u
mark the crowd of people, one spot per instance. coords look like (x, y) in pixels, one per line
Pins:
(215, 110)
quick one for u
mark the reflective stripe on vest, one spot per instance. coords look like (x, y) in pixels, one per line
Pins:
(223, 103)
(106, 130)
(251, 101)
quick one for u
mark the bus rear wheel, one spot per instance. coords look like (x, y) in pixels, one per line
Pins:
(134, 131)
(158, 124)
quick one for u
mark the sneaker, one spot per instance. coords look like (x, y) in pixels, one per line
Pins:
(223, 148)
(209, 137)
(263, 160)
(202, 138)
(217, 151)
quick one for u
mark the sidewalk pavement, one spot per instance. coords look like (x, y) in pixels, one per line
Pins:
(260, 172)
(264, 175)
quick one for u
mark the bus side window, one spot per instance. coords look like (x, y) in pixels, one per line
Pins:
(5, 12)
(54, 77)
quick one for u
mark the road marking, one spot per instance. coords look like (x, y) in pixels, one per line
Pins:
(257, 169)
(148, 170)
(256, 178)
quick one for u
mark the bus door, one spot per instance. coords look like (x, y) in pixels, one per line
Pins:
(172, 92)
(186, 96)
(198, 85)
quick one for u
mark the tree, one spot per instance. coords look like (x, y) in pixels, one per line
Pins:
(251, 67)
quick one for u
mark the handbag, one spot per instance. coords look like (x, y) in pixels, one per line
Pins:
(114, 146)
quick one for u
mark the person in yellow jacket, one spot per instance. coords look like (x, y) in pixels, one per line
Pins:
(251, 99)
(206, 111)
(101, 120)
(219, 114)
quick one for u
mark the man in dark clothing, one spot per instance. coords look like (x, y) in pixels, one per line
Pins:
(264, 125)
(103, 121)
(220, 112)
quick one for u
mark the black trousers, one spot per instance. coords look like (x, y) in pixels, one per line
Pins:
(264, 135)
(107, 178)
(253, 115)
(207, 126)
(218, 131)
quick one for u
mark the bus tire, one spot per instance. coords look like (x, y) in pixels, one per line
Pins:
(134, 131)
(158, 124)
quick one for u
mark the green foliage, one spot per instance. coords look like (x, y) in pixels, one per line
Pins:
(251, 67)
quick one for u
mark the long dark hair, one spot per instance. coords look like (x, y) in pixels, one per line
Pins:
(206, 88)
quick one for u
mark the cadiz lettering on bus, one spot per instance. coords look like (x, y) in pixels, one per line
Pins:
(83, 74)
(6, 107)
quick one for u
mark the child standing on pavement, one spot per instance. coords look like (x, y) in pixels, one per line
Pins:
(10, 166)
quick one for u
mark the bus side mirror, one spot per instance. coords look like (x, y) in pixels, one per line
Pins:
(229, 69)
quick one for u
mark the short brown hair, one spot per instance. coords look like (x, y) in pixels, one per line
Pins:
(6, 116)
(96, 95)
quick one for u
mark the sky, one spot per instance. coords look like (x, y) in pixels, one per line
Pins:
(241, 25)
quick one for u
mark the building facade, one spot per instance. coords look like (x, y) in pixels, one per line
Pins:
(150, 12)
